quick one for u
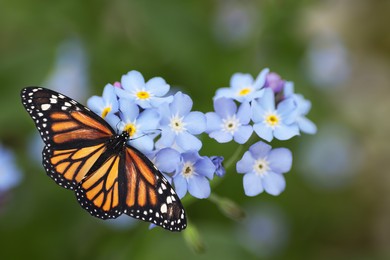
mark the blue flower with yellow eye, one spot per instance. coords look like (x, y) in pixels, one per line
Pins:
(270, 122)
(243, 87)
(145, 94)
(106, 104)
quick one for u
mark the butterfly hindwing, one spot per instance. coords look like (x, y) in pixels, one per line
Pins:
(101, 192)
(149, 196)
(67, 167)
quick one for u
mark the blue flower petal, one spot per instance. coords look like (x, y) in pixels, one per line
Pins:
(221, 136)
(213, 122)
(260, 150)
(133, 81)
(244, 113)
(157, 86)
(188, 142)
(280, 160)
(180, 185)
(241, 80)
(263, 131)
(129, 110)
(96, 104)
(252, 184)
(199, 187)
(243, 133)
(224, 92)
(260, 80)
(225, 107)
(306, 125)
(113, 121)
(286, 107)
(167, 137)
(125, 94)
(145, 144)
(286, 132)
(148, 120)
(273, 183)
(257, 112)
(191, 156)
(181, 104)
(195, 122)
(205, 167)
(267, 101)
(167, 160)
(157, 101)
(245, 165)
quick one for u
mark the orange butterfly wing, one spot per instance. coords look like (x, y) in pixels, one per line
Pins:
(81, 153)
(74, 136)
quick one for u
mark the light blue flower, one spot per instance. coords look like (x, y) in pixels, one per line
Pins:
(192, 175)
(270, 122)
(106, 104)
(10, 175)
(303, 107)
(145, 94)
(263, 168)
(226, 123)
(179, 125)
(243, 87)
(137, 124)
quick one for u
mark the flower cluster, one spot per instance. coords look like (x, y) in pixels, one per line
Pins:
(269, 107)
(164, 127)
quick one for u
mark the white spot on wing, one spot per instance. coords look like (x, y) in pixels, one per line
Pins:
(45, 107)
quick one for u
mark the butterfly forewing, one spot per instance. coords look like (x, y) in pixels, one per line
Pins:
(83, 153)
(62, 121)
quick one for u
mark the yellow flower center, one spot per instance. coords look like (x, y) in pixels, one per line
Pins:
(143, 94)
(130, 128)
(106, 111)
(245, 91)
(272, 120)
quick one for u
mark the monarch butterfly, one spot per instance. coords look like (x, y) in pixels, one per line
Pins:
(83, 153)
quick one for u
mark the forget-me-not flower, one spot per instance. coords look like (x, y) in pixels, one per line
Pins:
(243, 87)
(192, 174)
(226, 123)
(145, 94)
(106, 104)
(270, 122)
(263, 168)
(179, 125)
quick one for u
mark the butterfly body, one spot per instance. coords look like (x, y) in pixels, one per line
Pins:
(109, 176)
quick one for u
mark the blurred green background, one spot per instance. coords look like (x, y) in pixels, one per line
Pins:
(337, 201)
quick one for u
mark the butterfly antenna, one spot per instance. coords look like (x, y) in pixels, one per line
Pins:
(149, 132)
